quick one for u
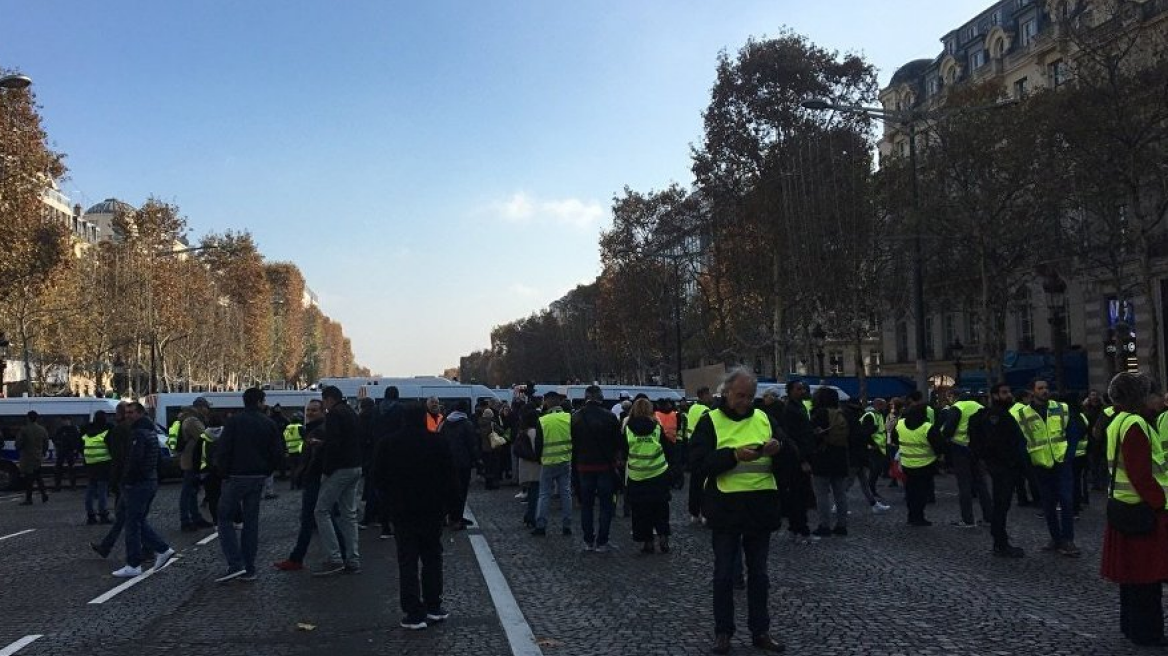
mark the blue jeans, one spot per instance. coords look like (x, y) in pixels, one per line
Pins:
(731, 547)
(188, 499)
(310, 490)
(337, 502)
(96, 493)
(139, 534)
(240, 493)
(593, 485)
(1055, 490)
(115, 530)
(557, 476)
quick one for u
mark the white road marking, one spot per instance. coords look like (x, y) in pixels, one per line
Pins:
(12, 535)
(20, 644)
(518, 632)
(131, 583)
(207, 540)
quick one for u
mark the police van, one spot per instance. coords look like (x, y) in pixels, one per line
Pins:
(612, 393)
(447, 393)
(52, 411)
(165, 408)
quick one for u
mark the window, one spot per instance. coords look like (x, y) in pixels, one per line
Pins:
(949, 327)
(836, 362)
(1021, 88)
(934, 86)
(995, 18)
(951, 46)
(1056, 71)
(973, 328)
(901, 341)
(1018, 4)
(1024, 321)
(875, 360)
(1029, 30)
(976, 59)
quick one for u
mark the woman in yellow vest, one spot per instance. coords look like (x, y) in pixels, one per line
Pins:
(95, 451)
(647, 490)
(1137, 562)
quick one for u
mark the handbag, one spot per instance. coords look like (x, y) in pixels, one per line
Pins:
(1127, 518)
(497, 440)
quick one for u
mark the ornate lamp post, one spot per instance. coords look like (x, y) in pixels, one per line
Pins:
(819, 338)
(956, 349)
(3, 361)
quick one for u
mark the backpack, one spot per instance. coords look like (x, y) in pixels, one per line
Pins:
(838, 430)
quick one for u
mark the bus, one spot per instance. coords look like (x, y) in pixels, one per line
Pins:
(52, 410)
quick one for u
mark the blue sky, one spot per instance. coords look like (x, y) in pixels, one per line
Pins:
(434, 168)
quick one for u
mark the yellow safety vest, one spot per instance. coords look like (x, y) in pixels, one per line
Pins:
(967, 410)
(915, 450)
(878, 437)
(931, 414)
(293, 440)
(1046, 440)
(646, 457)
(172, 435)
(1081, 446)
(557, 437)
(1124, 491)
(692, 416)
(94, 449)
(1162, 428)
(208, 443)
(754, 476)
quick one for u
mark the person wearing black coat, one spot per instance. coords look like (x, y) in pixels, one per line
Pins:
(996, 439)
(461, 436)
(416, 475)
(341, 465)
(795, 479)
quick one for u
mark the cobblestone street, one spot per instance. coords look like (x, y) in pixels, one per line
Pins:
(884, 590)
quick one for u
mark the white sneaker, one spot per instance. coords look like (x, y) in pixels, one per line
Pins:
(522, 496)
(161, 558)
(879, 508)
(128, 572)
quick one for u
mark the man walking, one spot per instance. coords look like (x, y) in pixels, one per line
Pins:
(967, 468)
(415, 475)
(307, 479)
(696, 482)
(139, 485)
(597, 446)
(796, 477)
(735, 447)
(118, 442)
(247, 452)
(96, 454)
(340, 462)
(31, 444)
(461, 436)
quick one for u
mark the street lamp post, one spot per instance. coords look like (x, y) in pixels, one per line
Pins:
(15, 81)
(1056, 298)
(819, 338)
(3, 361)
(956, 349)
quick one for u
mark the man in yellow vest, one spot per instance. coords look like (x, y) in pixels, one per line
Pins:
(872, 426)
(1044, 423)
(553, 445)
(967, 468)
(190, 448)
(696, 482)
(735, 448)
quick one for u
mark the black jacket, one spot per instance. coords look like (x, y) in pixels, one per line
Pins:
(342, 440)
(596, 436)
(996, 438)
(461, 436)
(251, 445)
(389, 418)
(142, 455)
(415, 473)
(737, 512)
(797, 425)
(308, 467)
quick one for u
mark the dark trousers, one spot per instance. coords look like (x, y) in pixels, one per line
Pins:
(492, 468)
(877, 467)
(1028, 487)
(1141, 612)
(597, 486)
(697, 483)
(796, 495)
(139, 533)
(1055, 491)
(970, 481)
(1079, 489)
(755, 547)
(918, 488)
(115, 529)
(419, 543)
(462, 477)
(34, 478)
(309, 492)
(648, 517)
(212, 491)
(1004, 481)
(66, 462)
(532, 503)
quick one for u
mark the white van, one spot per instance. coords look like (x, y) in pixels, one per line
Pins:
(13, 415)
(165, 408)
(447, 393)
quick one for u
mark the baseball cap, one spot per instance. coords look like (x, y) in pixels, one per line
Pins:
(201, 402)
